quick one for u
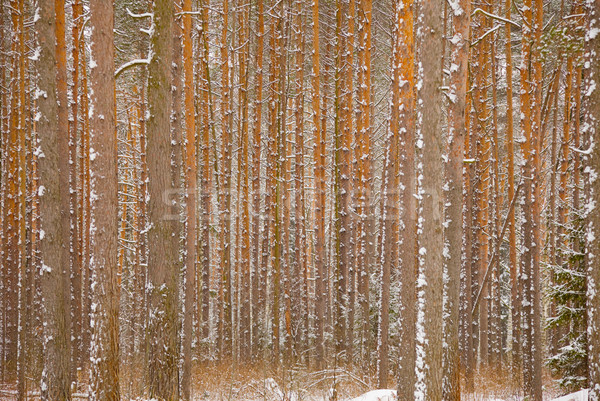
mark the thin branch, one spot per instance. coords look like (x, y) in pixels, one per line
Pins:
(496, 17)
(495, 255)
(130, 64)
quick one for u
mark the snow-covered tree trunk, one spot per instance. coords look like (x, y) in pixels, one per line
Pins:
(319, 133)
(259, 273)
(592, 130)
(163, 257)
(430, 176)
(206, 122)
(190, 202)
(54, 207)
(104, 373)
(454, 198)
(407, 258)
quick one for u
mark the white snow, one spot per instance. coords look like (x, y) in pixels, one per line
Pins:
(578, 396)
(377, 395)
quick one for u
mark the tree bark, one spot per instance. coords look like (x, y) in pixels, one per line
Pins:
(163, 257)
(429, 143)
(104, 374)
(454, 197)
(54, 208)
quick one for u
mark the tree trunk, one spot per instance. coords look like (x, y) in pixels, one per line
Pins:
(163, 257)
(592, 119)
(54, 207)
(429, 143)
(454, 198)
(104, 375)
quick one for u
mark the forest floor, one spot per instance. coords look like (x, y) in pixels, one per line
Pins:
(224, 383)
(264, 383)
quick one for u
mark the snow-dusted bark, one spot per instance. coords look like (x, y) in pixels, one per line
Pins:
(259, 273)
(591, 130)
(54, 203)
(105, 282)
(461, 18)
(319, 132)
(163, 257)
(430, 175)
(189, 286)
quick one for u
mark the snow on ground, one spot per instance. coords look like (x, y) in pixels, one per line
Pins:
(578, 396)
(377, 395)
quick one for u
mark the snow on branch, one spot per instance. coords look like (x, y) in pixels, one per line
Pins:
(132, 63)
(142, 15)
(496, 17)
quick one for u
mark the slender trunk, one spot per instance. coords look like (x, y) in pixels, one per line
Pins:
(592, 161)
(319, 131)
(454, 198)
(190, 202)
(259, 272)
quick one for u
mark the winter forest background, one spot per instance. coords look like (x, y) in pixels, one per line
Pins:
(293, 200)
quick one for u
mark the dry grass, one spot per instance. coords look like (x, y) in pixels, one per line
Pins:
(223, 381)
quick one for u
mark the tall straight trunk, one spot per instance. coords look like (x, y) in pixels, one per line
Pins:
(526, 149)
(495, 296)
(454, 198)
(163, 257)
(22, 346)
(276, 155)
(563, 207)
(76, 251)
(206, 184)
(365, 246)
(10, 207)
(85, 207)
(399, 137)
(190, 202)
(467, 279)
(342, 188)
(536, 176)
(576, 144)
(592, 119)
(319, 134)
(54, 206)
(429, 142)
(512, 235)
(482, 166)
(350, 134)
(225, 292)
(245, 307)
(104, 374)
(259, 272)
(407, 260)
(300, 311)
(3, 214)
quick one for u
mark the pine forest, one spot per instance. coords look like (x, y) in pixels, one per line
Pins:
(291, 200)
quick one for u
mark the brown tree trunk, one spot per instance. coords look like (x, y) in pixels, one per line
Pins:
(454, 198)
(319, 132)
(105, 278)
(206, 184)
(54, 203)
(163, 257)
(592, 161)
(366, 226)
(190, 202)
(76, 251)
(512, 236)
(429, 324)
(259, 273)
